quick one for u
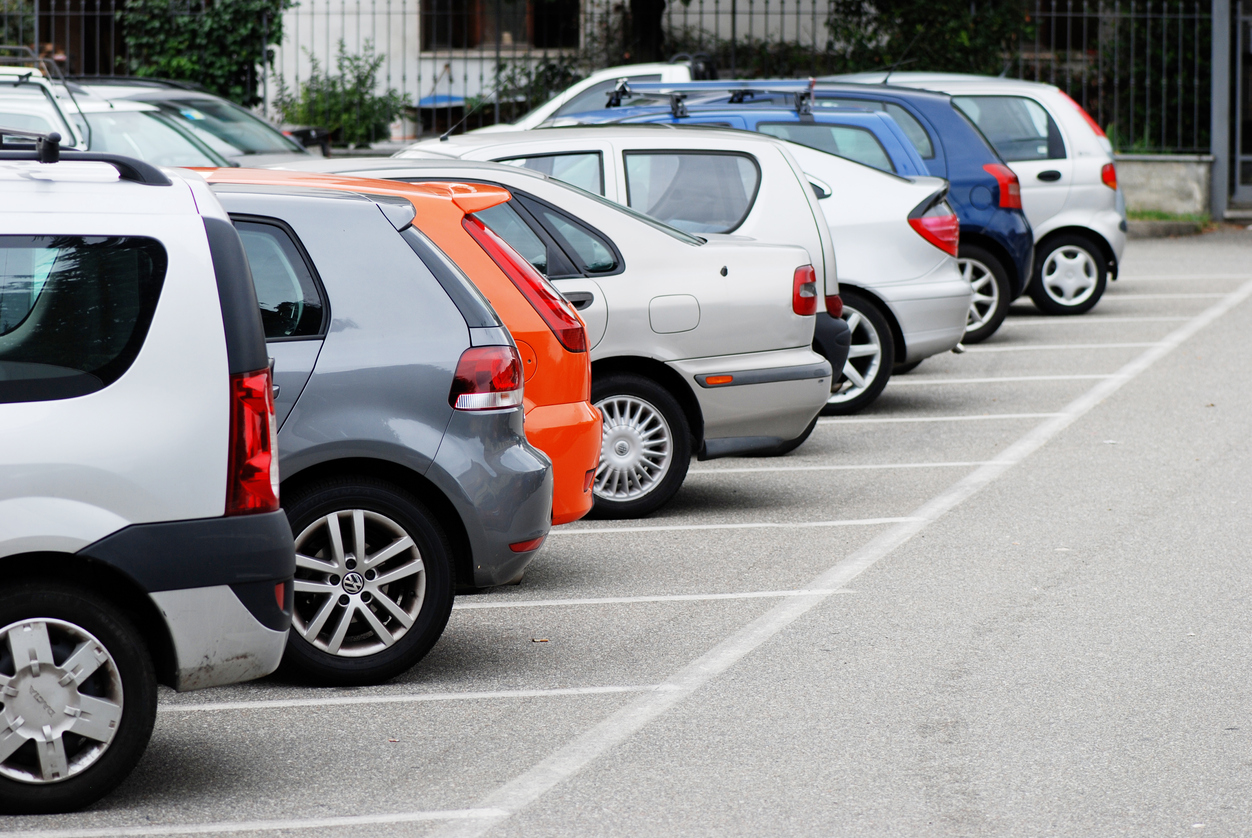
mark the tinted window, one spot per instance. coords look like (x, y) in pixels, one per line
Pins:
(593, 253)
(233, 130)
(854, 143)
(908, 123)
(597, 96)
(508, 225)
(694, 191)
(585, 170)
(291, 306)
(74, 311)
(1019, 128)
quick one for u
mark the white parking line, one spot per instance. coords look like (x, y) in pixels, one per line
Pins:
(869, 467)
(571, 758)
(1184, 277)
(925, 382)
(1198, 295)
(1089, 319)
(891, 420)
(391, 698)
(630, 600)
(758, 525)
(229, 827)
(1052, 347)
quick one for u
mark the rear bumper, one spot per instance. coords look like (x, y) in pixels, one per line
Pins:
(570, 434)
(771, 398)
(932, 311)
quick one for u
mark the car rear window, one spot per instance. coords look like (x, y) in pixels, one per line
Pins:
(1019, 128)
(291, 304)
(858, 144)
(582, 169)
(74, 311)
(908, 123)
(699, 192)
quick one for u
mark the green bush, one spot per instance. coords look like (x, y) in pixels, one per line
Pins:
(347, 103)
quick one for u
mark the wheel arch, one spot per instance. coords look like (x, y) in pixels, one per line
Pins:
(997, 250)
(667, 378)
(897, 335)
(1106, 249)
(95, 577)
(425, 491)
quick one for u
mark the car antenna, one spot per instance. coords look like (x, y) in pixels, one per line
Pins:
(443, 138)
(907, 50)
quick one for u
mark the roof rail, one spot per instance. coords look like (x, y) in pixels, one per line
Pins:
(21, 55)
(801, 91)
(47, 149)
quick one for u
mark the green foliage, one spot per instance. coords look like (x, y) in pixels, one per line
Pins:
(217, 45)
(523, 86)
(1157, 215)
(347, 103)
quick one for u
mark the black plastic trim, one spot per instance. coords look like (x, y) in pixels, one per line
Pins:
(735, 445)
(259, 599)
(241, 314)
(768, 376)
(203, 552)
(832, 339)
(128, 168)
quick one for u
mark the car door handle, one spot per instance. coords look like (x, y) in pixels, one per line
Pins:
(579, 299)
(1051, 175)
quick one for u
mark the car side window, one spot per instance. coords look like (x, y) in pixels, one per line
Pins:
(74, 311)
(291, 303)
(698, 192)
(1019, 128)
(593, 253)
(584, 169)
(908, 123)
(508, 225)
(597, 96)
(848, 141)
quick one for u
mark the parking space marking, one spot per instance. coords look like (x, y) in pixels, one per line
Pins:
(577, 754)
(393, 698)
(1183, 277)
(228, 827)
(1083, 321)
(1198, 295)
(630, 600)
(925, 382)
(1052, 347)
(891, 420)
(867, 467)
(755, 525)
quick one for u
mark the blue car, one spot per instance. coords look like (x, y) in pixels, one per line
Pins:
(997, 244)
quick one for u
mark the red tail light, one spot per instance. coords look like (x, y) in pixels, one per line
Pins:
(834, 305)
(252, 482)
(552, 307)
(1010, 186)
(937, 224)
(804, 291)
(487, 378)
(1094, 125)
(1108, 174)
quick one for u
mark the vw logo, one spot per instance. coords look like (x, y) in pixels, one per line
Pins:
(353, 583)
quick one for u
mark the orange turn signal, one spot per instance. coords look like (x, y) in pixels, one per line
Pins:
(714, 380)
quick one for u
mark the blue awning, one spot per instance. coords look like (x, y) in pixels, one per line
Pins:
(441, 100)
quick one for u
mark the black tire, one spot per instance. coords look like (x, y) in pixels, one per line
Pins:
(989, 279)
(866, 319)
(617, 391)
(388, 514)
(901, 369)
(131, 668)
(1085, 258)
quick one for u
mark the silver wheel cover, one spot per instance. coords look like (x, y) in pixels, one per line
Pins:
(1069, 275)
(982, 306)
(635, 451)
(360, 583)
(58, 718)
(864, 359)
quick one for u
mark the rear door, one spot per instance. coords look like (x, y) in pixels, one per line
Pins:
(293, 304)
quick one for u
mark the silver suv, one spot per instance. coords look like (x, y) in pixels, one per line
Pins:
(141, 539)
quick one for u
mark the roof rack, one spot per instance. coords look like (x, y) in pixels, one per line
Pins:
(47, 149)
(740, 90)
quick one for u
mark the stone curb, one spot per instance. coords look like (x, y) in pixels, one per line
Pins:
(1162, 229)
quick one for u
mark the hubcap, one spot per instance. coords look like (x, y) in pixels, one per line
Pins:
(636, 449)
(61, 693)
(982, 307)
(864, 359)
(360, 583)
(1069, 275)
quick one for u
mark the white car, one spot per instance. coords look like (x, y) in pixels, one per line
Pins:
(903, 296)
(141, 539)
(1068, 179)
(28, 102)
(700, 345)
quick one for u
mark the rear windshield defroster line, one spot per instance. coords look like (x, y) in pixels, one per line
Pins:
(473, 306)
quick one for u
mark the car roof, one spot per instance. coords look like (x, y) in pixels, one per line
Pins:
(335, 165)
(88, 187)
(597, 132)
(943, 82)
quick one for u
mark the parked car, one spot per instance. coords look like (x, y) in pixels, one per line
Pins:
(233, 132)
(550, 337)
(141, 540)
(142, 131)
(996, 247)
(28, 102)
(406, 472)
(1068, 179)
(698, 345)
(901, 294)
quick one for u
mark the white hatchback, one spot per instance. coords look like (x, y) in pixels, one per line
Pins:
(1068, 178)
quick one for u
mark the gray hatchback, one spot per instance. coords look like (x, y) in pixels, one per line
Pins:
(406, 473)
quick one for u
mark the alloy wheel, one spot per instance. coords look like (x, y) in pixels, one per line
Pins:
(1069, 275)
(636, 449)
(864, 358)
(357, 592)
(61, 693)
(982, 306)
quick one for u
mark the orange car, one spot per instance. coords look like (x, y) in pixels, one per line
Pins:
(550, 336)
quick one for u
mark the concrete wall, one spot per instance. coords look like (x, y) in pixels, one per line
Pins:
(1173, 183)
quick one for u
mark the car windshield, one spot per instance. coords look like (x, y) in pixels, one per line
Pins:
(147, 135)
(28, 107)
(229, 129)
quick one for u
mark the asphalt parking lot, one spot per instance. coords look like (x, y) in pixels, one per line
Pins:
(1009, 599)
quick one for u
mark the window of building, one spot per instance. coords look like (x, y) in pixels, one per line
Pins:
(475, 24)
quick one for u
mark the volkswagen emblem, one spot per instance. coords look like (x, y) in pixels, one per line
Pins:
(353, 583)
